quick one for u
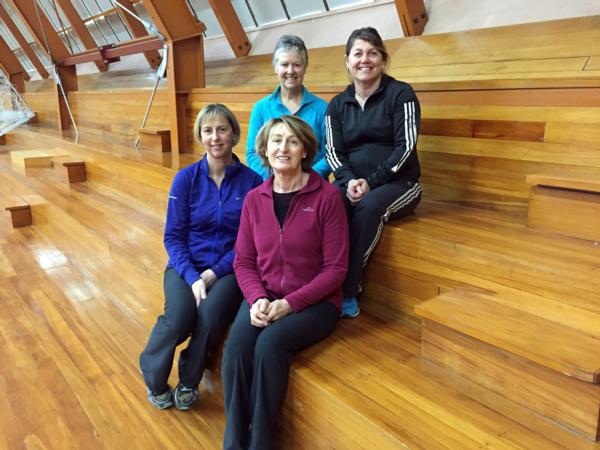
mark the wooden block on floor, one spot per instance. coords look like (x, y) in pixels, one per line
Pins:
(76, 172)
(3, 139)
(31, 158)
(512, 385)
(34, 119)
(20, 212)
(567, 212)
(155, 138)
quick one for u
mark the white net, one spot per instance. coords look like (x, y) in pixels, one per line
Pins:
(13, 110)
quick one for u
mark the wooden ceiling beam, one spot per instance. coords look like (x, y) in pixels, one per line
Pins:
(80, 28)
(413, 16)
(232, 27)
(29, 52)
(13, 67)
(138, 30)
(43, 32)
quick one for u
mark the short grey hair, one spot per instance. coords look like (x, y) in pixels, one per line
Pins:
(289, 42)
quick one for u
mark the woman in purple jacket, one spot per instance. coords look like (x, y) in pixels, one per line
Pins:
(201, 293)
(290, 260)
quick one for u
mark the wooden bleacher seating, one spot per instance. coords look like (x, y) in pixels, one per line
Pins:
(549, 365)
(155, 138)
(497, 104)
(566, 205)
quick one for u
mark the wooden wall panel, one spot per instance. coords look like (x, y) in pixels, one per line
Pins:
(44, 105)
(587, 134)
(119, 112)
(486, 129)
(593, 63)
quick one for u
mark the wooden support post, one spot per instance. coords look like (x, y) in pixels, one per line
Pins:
(18, 81)
(68, 77)
(413, 16)
(185, 66)
(232, 27)
(76, 172)
(20, 214)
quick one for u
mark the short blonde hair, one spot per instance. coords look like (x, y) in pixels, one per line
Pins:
(299, 128)
(214, 110)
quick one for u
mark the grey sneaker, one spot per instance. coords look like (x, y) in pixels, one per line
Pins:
(161, 401)
(185, 397)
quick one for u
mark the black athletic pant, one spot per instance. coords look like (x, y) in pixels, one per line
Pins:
(255, 369)
(366, 220)
(205, 324)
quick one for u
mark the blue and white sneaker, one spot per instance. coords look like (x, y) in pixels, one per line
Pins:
(185, 397)
(350, 308)
(161, 401)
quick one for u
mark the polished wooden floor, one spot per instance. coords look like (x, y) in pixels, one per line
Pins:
(81, 288)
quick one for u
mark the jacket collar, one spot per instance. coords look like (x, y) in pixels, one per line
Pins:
(229, 170)
(313, 183)
(351, 90)
(307, 97)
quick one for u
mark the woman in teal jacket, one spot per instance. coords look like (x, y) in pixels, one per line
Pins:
(290, 60)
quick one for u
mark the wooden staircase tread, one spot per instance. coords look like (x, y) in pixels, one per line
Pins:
(368, 367)
(565, 182)
(482, 315)
(483, 248)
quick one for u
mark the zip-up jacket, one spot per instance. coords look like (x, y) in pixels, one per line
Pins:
(377, 142)
(202, 220)
(305, 261)
(312, 110)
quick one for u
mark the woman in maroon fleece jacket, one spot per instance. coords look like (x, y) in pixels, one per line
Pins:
(290, 261)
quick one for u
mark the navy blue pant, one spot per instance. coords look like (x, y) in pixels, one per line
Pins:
(204, 325)
(255, 369)
(366, 220)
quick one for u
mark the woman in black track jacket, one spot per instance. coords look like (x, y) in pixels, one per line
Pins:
(372, 130)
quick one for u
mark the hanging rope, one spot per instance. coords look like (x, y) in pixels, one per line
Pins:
(55, 71)
(62, 26)
(160, 72)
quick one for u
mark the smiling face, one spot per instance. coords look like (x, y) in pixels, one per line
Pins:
(364, 62)
(290, 69)
(217, 137)
(284, 150)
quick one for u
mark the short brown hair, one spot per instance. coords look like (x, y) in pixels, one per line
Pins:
(299, 128)
(214, 110)
(370, 35)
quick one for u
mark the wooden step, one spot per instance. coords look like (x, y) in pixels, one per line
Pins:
(565, 205)
(155, 138)
(551, 369)
(564, 182)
